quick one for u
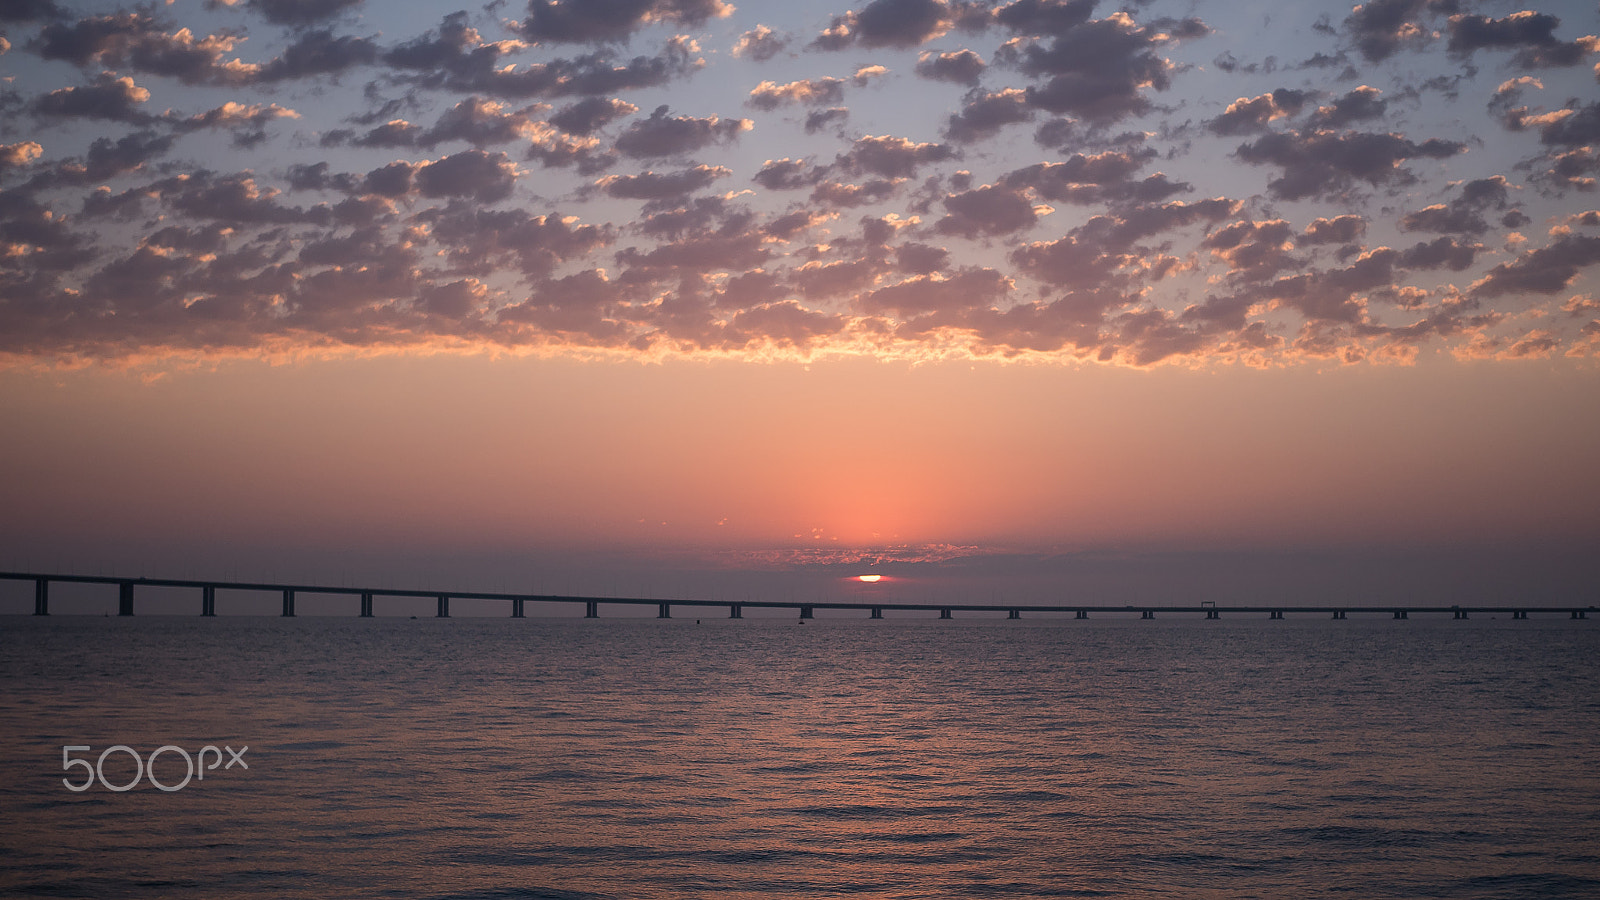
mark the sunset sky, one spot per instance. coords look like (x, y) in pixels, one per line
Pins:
(1035, 299)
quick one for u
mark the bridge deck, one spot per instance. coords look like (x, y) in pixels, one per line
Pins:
(806, 609)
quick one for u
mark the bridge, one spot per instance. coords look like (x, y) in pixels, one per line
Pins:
(127, 587)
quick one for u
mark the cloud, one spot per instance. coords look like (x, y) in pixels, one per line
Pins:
(144, 209)
(1379, 28)
(1327, 164)
(983, 116)
(1530, 33)
(29, 11)
(1356, 106)
(1099, 70)
(769, 95)
(890, 157)
(552, 21)
(1044, 17)
(455, 57)
(138, 41)
(111, 98)
(760, 44)
(785, 175)
(988, 210)
(1245, 116)
(481, 122)
(480, 242)
(1338, 230)
(668, 186)
(590, 115)
(665, 135)
(823, 119)
(300, 13)
(1547, 270)
(960, 66)
(887, 23)
(1464, 214)
(932, 293)
(109, 158)
(19, 155)
(482, 176)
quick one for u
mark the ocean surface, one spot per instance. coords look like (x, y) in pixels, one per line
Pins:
(572, 759)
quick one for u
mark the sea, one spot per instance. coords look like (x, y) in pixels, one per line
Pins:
(570, 759)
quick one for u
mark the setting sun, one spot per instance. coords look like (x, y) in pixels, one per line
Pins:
(870, 579)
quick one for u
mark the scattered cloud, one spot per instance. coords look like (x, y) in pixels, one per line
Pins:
(916, 178)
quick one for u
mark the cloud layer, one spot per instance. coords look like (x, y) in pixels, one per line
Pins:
(911, 178)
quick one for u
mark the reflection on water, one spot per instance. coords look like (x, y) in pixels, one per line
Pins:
(578, 759)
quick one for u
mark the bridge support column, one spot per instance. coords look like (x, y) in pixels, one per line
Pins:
(1014, 614)
(125, 598)
(877, 612)
(1579, 614)
(944, 613)
(806, 612)
(1276, 614)
(516, 607)
(591, 609)
(666, 611)
(735, 611)
(1401, 614)
(444, 607)
(1458, 614)
(1519, 614)
(1338, 614)
(41, 596)
(1082, 614)
(288, 602)
(208, 601)
(1213, 614)
(1148, 614)
(366, 604)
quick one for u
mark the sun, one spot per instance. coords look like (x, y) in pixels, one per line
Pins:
(870, 579)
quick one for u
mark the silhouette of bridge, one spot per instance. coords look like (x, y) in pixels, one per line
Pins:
(517, 603)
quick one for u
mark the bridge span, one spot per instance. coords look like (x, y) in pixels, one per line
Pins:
(516, 603)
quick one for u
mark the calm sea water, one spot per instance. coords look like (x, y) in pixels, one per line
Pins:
(613, 759)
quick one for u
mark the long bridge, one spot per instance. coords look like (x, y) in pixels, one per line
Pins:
(126, 588)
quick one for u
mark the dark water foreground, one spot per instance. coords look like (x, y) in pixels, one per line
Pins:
(644, 759)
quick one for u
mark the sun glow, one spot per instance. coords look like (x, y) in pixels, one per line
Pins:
(870, 579)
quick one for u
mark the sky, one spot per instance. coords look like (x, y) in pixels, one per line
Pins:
(1031, 300)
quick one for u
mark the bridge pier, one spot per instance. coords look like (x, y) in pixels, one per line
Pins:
(41, 596)
(516, 607)
(125, 598)
(1148, 614)
(1579, 614)
(208, 601)
(1014, 614)
(735, 611)
(1338, 614)
(591, 610)
(806, 612)
(1458, 614)
(1082, 614)
(1213, 614)
(944, 613)
(366, 604)
(288, 602)
(665, 613)
(444, 607)
(1519, 614)
(877, 612)
(1276, 614)
(1401, 614)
